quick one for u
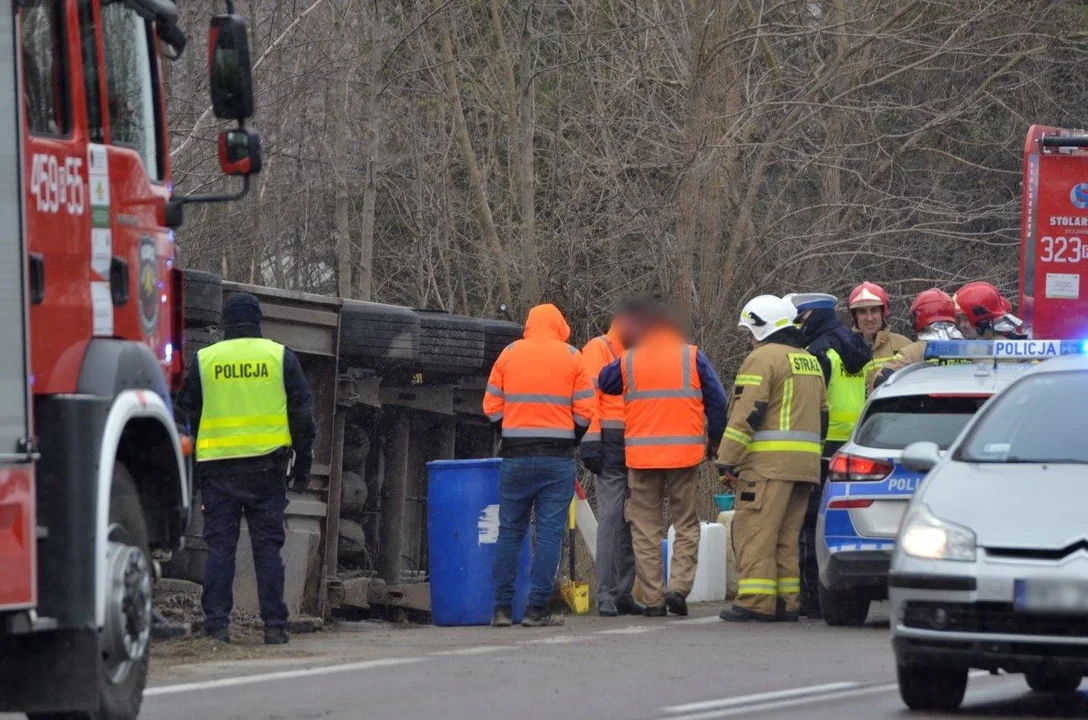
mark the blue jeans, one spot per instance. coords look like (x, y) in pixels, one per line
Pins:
(262, 498)
(543, 484)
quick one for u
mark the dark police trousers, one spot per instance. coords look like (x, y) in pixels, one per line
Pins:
(810, 572)
(261, 496)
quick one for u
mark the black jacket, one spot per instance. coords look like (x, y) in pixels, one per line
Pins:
(300, 415)
(824, 331)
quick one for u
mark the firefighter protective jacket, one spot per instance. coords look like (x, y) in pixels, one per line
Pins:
(538, 392)
(778, 414)
(913, 353)
(603, 445)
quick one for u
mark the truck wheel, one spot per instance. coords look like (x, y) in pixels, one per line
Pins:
(841, 608)
(451, 344)
(373, 334)
(195, 340)
(125, 640)
(203, 298)
(1053, 681)
(931, 688)
(497, 335)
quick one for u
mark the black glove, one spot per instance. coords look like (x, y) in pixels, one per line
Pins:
(300, 482)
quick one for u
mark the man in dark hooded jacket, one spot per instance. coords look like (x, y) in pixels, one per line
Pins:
(251, 412)
(843, 356)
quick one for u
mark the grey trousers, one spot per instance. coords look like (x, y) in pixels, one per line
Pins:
(615, 556)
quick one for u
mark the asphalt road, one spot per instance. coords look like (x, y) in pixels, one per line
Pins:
(635, 669)
(631, 669)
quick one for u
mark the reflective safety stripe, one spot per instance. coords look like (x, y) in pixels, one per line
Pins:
(757, 586)
(280, 439)
(737, 436)
(786, 435)
(497, 392)
(608, 344)
(495, 417)
(584, 394)
(795, 446)
(581, 420)
(612, 424)
(685, 358)
(789, 586)
(538, 433)
(749, 380)
(629, 371)
(787, 405)
(538, 398)
(667, 440)
(662, 394)
(591, 437)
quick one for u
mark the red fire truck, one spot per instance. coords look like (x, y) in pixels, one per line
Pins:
(94, 478)
(1054, 253)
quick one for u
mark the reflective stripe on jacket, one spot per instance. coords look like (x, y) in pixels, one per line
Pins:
(776, 415)
(538, 388)
(664, 419)
(845, 398)
(244, 410)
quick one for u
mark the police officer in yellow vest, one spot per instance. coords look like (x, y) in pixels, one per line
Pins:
(844, 357)
(250, 408)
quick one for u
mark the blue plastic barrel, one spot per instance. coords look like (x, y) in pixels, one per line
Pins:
(462, 531)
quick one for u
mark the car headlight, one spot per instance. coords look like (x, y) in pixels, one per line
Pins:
(927, 537)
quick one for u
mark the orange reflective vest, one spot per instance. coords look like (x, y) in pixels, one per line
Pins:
(597, 353)
(538, 387)
(664, 420)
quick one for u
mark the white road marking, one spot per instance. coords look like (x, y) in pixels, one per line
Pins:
(697, 621)
(631, 630)
(478, 650)
(724, 703)
(557, 640)
(816, 693)
(285, 675)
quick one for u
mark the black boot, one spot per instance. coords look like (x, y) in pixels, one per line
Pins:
(655, 611)
(221, 635)
(503, 617)
(676, 603)
(276, 636)
(741, 615)
(540, 617)
(629, 606)
(783, 615)
(607, 608)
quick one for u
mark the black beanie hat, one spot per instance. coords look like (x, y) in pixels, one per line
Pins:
(242, 309)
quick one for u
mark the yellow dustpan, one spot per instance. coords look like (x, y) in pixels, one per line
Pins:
(575, 594)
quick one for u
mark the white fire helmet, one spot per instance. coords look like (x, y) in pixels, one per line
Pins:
(765, 315)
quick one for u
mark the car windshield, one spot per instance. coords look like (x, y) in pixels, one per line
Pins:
(1037, 420)
(894, 423)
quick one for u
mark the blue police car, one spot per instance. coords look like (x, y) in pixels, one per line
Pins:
(867, 489)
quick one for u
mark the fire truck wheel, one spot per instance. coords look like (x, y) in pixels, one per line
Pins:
(452, 344)
(203, 298)
(372, 334)
(196, 339)
(126, 637)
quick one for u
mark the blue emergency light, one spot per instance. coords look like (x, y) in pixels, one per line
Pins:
(1003, 349)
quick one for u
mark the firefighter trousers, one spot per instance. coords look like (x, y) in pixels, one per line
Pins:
(645, 508)
(769, 515)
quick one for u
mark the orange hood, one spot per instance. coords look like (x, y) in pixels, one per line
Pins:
(546, 321)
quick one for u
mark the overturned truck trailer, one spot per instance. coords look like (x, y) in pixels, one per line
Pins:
(393, 389)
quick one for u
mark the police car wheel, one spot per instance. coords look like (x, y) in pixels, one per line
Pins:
(1053, 681)
(924, 687)
(125, 640)
(841, 608)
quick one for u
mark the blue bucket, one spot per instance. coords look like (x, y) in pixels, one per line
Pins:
(462, 531)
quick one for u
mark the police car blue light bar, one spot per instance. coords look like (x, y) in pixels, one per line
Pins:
(1003, 349)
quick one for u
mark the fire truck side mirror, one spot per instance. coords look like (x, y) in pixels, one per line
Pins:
(229, 68)
(240, 152)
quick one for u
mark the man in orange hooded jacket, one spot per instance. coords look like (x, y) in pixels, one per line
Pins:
(542, 401)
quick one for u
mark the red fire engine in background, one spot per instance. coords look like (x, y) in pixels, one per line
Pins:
(94, 480)
(1054, 248)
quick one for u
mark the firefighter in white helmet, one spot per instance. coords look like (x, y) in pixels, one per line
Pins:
(777, 422)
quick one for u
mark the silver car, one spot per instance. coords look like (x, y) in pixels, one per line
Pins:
(990, 568)
(867, 487)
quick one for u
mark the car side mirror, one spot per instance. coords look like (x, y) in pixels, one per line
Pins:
(921, 457)
(240, 152)
(229, 70)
